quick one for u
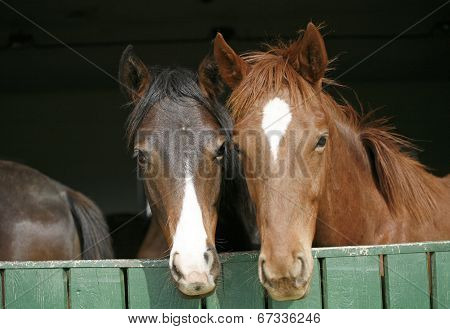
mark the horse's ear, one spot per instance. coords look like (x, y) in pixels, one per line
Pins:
(209, 79)
(134, 76)
(232, 67)
(308, 55)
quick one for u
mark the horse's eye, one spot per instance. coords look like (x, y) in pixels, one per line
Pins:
(220, 152)
(141, 157)
(321, 142)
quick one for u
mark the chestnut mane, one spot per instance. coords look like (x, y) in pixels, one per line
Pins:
(403, 182)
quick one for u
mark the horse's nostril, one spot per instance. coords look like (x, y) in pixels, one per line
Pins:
(175, 270)
(206, 257)
(302, 266)
(263, 272)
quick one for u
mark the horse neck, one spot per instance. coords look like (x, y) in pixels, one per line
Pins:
(353, 211)
(351, 207)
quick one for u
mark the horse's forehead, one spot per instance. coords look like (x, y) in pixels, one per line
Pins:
(280, 112)
(177, 120)
(276, 118)
(173, 115)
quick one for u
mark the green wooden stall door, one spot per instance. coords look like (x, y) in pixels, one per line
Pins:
(35, 288)
(406, 281)
(441, 279)
(2, 297)
(238, 286)
(352, 282)
(153, 287)
(93, 288)
(312, 300)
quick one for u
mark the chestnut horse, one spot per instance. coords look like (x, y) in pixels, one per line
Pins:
(41, 219)
(317, 172)
(181, 137)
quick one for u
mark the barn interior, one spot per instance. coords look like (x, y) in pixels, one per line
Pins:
(62, 111)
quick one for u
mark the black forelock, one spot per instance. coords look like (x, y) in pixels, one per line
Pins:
(177, 85)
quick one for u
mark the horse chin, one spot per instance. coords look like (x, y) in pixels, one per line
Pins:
(291, 293)
(192, 290)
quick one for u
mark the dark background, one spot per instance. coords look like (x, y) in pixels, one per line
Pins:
(63, 116)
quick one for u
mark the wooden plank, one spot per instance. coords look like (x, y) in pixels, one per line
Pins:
(389, 249)
(238, 286)
(108, 263)
(154, 288)
(406, 281)
(441, 280)
(35, 288)
(352, 282)
(313, 300)
(96, 288)
(2, 297)
(392, 249)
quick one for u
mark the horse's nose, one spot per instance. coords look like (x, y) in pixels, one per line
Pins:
(194, 276)
(285, 279)
(198, 282)
(272, 275)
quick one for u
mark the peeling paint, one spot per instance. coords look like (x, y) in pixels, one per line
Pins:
(329, 252)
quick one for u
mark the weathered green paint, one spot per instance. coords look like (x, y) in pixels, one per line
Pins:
(239, 285)
(312, 300)
(317, 253)
(99, 263)
(441, 279)
(35, 288)
(96, 288)
(349, 278)
(390, 249)
(154, 288)
(2, 297)
(406, 281)
(352, 282)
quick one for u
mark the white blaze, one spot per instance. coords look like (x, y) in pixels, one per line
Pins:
(190, 235)
(276, 119)
(148, 210)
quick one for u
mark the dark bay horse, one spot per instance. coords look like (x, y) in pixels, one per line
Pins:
(41, 219)
(317, 172)
(181, 136)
